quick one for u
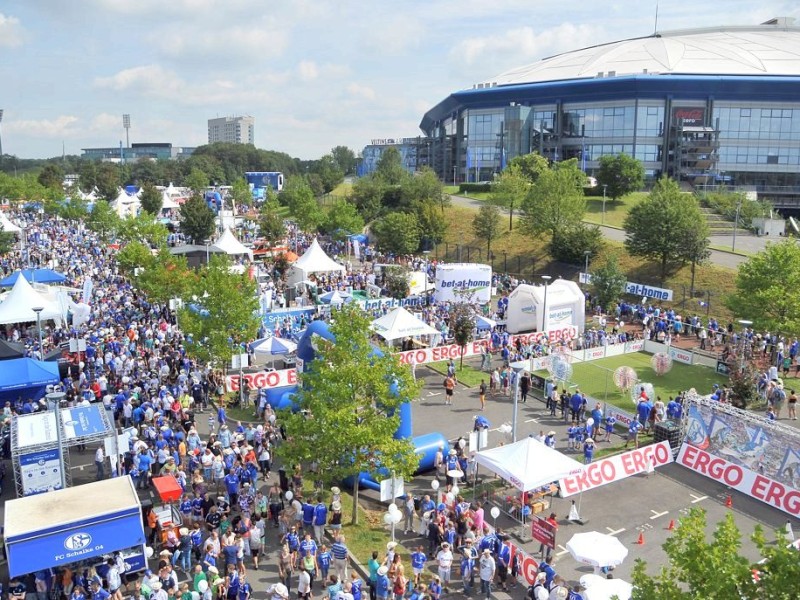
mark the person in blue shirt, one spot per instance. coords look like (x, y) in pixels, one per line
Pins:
(435, 588)
(575, 405)
(610, 422)
(588, 451)
(643, 409)
(320, 519)
(232, 487)
(633, 433)
(468, 557)
(356, 585)
(245, 589)
(308, 516)
(546, 567)
(324, 562)
(418, 560)
(382, 584)
(597, 416)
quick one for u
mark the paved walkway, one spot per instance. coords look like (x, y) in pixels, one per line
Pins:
(745, 241)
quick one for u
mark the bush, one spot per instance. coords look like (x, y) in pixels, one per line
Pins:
(725, 203)
(470, 188)
(570, 246)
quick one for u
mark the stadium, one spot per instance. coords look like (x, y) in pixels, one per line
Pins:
(708, 107)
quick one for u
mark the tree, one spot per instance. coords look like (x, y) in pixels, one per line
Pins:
(529, 166)
(197, 181)
(621, 174)
(555, 201)
(571, 247)
(103, 220)
(107, 180)
(7, 240)
(151, 199)
(367, 195)
(52, 176)
(390, 168)
(240, 192)
(424, 188)
(608, 283)
(345, 159)
(135, 255)
(303, 206)
(695, 244)
(657, 228)
(197, 219)
(143, 228)
(224, 312)
(328, 171)
(270, 222)
(462, 324)
(342, 219)
(486, 225)
(349, 404)
(714, 570)
(432, 223)
(397, 233)
(165, 277)
(87, 175)
(395, 281)
(510, 190)
(768, 289)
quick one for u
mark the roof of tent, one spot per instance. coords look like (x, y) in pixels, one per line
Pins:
(7, 225)
(314, 260)
(20, 301)
(400, 323)
(528, 463)
(11, 350)
(228, 244)
(167, 202)
(20, 373)
(36, 275)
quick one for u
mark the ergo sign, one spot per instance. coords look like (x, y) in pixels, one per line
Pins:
(614, 468)
(263, 379)
(739, 478)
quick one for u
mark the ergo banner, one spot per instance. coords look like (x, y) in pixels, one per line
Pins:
(614, 468)
(739, 478)
(263, 379)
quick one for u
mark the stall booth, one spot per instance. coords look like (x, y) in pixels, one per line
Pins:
(168, 515)
(87, 523)
(554, 307)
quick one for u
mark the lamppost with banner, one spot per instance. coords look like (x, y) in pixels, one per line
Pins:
(38, 310)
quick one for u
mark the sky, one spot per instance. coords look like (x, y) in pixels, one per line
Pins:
(314, 73)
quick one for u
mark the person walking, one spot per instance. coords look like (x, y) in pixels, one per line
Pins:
(99, 462)
(486, 570)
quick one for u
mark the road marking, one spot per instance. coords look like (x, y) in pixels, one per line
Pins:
(696, 499)
(532, 421)
(78, 467)
(432, 394)
(658, 514)
(563, 551)
(614, 532)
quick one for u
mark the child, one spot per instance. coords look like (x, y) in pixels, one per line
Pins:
(571, 433)
(610, 422)
(435, 589)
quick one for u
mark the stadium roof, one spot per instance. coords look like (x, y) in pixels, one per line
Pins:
(771, 49)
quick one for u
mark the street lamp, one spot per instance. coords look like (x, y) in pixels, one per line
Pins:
(518, 367)
(745, 324)
(603, 220)
(586, 254)
(38, 310)
(546, 279)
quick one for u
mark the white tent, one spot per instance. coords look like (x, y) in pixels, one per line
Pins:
(167, 203)
(18, 305)
(125, 205)
(7, 225)
(528, 463)
(228, 244)
(399, 324)
(566, 306)
(314, 260)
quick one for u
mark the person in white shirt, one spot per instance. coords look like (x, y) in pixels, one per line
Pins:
(445, 561)
(303, 584)
(99, 462)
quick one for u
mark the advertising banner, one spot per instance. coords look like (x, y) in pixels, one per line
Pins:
(623, 417)
(543, 532)
(81, 421)
(558, 318)
(761, 459)
(648, 291)
(40, 471)
(473, 281)
(262, 379)
(295, 318)
(615, 468)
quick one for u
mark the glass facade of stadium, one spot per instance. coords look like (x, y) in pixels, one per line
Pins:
(704, 130)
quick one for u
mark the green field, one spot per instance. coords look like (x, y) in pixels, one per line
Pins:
(596, 378)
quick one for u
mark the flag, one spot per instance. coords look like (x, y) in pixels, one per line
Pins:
(87, 290)
(357, 249)
(469, 158)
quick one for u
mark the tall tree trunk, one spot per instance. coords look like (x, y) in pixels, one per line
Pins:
(663, 268)
(354, 519)
(691, 287)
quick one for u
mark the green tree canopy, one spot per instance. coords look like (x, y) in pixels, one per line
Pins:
(529, 166)
(143, 228)
(151, 199)
(571, 247)
(103, 220)
(658, 227)
(342, 219)
(768, 289)
(510, 189)
(555, 201)
(107, 180)
(486, 224)
(197, 181)
(390, 168)
(608, 283)
(52, 176)
(165, 276)
(345, 159)
(303, 206)
(621, 174)
(349, 411)
(240, 192)
(397, 233)
(270, 221)
(197, 219)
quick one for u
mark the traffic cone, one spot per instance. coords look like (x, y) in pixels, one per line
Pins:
(729, 502)
(640, 541)
(671, 525)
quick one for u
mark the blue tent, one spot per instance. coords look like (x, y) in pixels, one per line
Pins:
(34, 275)
(26, 374)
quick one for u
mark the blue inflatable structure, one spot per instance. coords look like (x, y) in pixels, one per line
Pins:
(425, 446)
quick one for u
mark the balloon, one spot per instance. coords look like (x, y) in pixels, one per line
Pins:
(435, 484)
(495, 512)
(195, 596)
(393, 508)
(589, 423)
(289, 495)
(455, 490)
(202, 586)
(148, 552)
(387, 518)
(396, 517)
(450, 497)
(461, 443)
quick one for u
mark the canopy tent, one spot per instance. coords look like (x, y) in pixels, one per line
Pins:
(399, 324)
(28, 375)
(35, 275)
(11, 350)
(125, 205)
(167, 203)
(528, 463)
(273, 346)
(335, 298)
(228, 244)
(7, 225)
(566, 307)
(485, 322)
(67, 525)
(314, 260)
(20, 302)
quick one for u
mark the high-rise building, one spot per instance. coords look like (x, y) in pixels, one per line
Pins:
(236, 130)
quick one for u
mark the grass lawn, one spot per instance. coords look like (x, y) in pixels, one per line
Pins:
(615, 211)
(343, 189)
(468, 376)
(595, 378)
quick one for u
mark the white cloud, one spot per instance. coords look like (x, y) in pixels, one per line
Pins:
(308, 70)
(59, 127)
(145, 78)
(359, 91)
(11, 31)
(219, 46)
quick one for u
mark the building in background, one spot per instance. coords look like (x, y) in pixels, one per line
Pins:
(235, 130)
(413, 153)
(155, 151)
(706, 106)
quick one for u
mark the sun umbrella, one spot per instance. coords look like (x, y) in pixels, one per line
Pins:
(600, 588)
(598, 549)
(335, 297)
(484, 322)
(273, 346)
